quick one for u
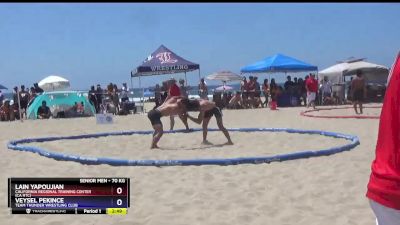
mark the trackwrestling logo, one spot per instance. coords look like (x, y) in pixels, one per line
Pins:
(165, 57)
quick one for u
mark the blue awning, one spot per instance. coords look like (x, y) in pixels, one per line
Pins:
(278, 63)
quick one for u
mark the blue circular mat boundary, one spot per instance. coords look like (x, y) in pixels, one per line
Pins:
(15, 145)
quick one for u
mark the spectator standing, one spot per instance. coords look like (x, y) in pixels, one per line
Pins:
(257, 93)
(1, 98)
(303, 91)
(124, 93)
(38, 90)
(359, 91)
(24, 100)
(312, 88)
(265, 89)
(115, 98)
(251, 89)
(203, 89)
(183, 88)
(93, 98)
(174, 91)
(99, 96)
(288, 84)
(244, 87)
(326, 89)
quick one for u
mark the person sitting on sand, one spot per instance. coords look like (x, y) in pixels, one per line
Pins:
(171, 107)
(80, 108)
(207, 110)
(5, 110)
(71, 112)
(236, 101)
(43, 111)
(358, 90)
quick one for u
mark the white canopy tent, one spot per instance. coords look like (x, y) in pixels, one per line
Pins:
(373, 73)
(54, 83)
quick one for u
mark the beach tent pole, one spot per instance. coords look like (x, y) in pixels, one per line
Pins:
(142, 97)
(131, 85)
(140, 88)
(19, 107)
(185, 79)
(199, 74)
(224, 83)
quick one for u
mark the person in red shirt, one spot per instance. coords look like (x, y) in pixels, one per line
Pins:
(384, 183)
(174, 91)
(312, 88)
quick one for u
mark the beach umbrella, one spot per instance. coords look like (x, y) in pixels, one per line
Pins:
(225, 76)
(3, 87)
(224, 88)
(54, 83)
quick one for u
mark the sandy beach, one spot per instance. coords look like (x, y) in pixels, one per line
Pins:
(323, 190)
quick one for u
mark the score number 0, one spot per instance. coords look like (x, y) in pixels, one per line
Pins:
(119, 191)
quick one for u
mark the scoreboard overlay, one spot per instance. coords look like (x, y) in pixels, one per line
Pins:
(69, 195)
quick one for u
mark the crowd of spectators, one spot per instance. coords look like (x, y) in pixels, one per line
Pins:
(9, 108)
(252, 94)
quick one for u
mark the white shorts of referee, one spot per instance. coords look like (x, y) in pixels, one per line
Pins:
(310, 97)
(385, 215)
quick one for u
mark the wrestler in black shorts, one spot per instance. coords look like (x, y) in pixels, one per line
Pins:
(154, 116)
(214, 111)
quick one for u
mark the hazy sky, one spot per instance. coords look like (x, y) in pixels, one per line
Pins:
(91, 43)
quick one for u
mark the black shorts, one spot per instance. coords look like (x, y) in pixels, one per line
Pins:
(214, 111)
(154, 116)
(358, 95)
(24, 104)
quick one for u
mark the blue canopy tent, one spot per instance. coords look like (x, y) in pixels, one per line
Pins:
(164, 61)
(278, 63)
